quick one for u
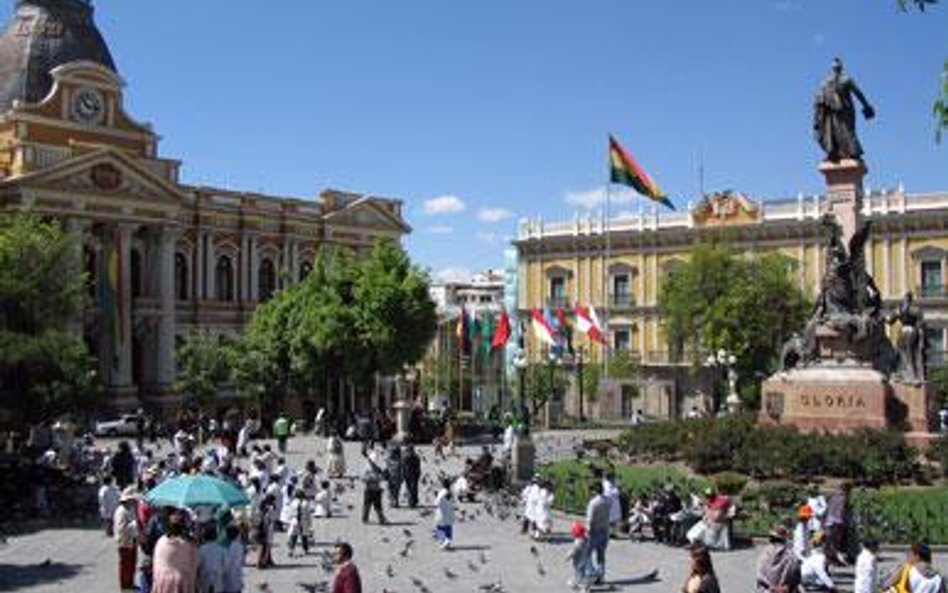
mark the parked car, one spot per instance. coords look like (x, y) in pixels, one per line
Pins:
(126, 425)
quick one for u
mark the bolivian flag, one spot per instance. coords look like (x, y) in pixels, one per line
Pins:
(623, 169)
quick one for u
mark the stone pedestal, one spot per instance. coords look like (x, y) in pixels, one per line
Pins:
(831, 398)
(844, 193)
(402, 417)
(522, 459)
(913, 407)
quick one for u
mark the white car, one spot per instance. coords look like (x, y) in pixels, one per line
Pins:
(126, 425)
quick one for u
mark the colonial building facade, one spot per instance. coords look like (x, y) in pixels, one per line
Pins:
(618, 268)
(163, 258)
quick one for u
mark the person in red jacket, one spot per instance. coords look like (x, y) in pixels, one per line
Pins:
(346, 579)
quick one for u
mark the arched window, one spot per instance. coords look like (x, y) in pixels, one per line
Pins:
(136, 274)
(305, 269)
(180, 277)
(266, 280)
(224, 279)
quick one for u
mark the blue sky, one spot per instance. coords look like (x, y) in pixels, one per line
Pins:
(478, 113)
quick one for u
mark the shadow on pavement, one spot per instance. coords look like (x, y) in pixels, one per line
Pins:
(18, 576)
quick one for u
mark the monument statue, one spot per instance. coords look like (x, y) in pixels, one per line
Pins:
(911, 341)
(834, 115)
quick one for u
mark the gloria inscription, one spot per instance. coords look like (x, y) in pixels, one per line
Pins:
(846, 402)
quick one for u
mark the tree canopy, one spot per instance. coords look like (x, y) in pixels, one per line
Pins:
(45, 369)
(348, 319)
(747, 305)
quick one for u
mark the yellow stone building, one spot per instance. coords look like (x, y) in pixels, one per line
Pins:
(189, 258)
(618, 268)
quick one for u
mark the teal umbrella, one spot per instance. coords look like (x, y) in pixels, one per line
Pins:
(192, 491)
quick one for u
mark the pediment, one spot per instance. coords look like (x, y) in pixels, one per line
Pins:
(366, 213)
(103, 172)
(726, 208)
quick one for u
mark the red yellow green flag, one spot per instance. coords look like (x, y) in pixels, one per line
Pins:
(623, 169)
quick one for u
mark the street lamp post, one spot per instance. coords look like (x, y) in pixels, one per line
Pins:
(580, 360)
(520, 362)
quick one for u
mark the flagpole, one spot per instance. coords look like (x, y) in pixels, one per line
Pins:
(605, 268)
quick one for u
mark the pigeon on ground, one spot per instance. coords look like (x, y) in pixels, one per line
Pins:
(449, 574)
(389, 571)
(540, 570)
(534, 551)
(406, 532)
(472, 566)
(483, 558)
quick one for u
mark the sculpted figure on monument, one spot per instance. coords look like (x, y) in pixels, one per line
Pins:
(911, 343)
(834, 115)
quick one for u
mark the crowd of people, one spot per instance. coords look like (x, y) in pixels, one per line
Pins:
(204, 549)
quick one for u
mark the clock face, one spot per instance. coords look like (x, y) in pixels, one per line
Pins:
(88, 106)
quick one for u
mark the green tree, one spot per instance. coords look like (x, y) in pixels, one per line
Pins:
(395, 316)
(745, 305)
(45, 369)
(348, 319)
(202, 367)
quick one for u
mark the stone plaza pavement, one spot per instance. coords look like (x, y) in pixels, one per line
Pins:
(487, 550)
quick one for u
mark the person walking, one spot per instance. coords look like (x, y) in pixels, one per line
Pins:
(838, 513)
(393, 475)
(346, 578)
(125, 530)
(123, 466)
(281, 431)
(301, 523)
(578, 556)
(867, 568)
(597, 525)
(174, 565)
(233, 561)
(444, 515)
(701, 579)
(337, 458)
(108, 503)
(372, 477)
(411, 474)
(210, 566)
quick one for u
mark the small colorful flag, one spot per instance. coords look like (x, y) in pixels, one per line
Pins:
(624, 170)
(588, 323)
(542, 328)
(502, 332)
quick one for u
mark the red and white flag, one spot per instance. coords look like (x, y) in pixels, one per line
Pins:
(588, 323)
(542, 328)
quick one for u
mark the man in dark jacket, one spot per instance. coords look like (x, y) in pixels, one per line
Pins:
(123, 466)
(411, 473)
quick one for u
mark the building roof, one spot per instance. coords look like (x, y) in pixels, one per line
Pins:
(42, 35)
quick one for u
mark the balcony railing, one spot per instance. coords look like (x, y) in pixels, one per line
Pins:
(932, 291)
(621, 299)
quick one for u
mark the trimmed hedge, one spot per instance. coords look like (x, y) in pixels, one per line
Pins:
(892, 515)
(739, 444)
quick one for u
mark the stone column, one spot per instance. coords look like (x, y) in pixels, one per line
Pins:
(254, 264)
(199, 261)
(122, 375)
(166, 294)
(77, 228)
(844, 193)
(210, 269)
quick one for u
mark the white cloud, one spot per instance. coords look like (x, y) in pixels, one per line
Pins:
(595, 198)
(446, 204)
(440, 229)
(455, 274)
(487, 237)
(493, 215)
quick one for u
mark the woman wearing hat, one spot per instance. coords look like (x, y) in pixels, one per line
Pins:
(125, 530)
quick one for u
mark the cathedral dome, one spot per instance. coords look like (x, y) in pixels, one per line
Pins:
(42, 35)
